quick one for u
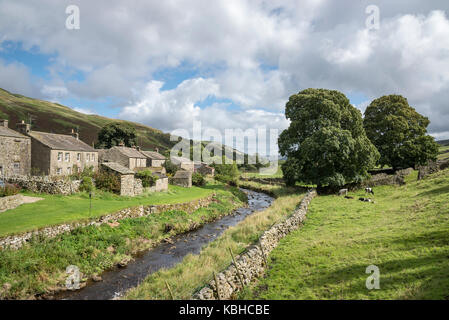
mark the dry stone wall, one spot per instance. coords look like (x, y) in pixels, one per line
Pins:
(46, 184)
(10, 202)
(251, 265)
(16, 241)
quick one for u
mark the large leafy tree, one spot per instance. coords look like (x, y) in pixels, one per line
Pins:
(399, 133)
(325, 143)
(115, 133)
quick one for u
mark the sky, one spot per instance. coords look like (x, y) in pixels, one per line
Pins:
(228, 64)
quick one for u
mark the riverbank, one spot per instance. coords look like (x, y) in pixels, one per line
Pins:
(195, 271)
(39, 268)
(405, 233)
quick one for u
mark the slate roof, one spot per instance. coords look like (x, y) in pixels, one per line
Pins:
(61, 142)
(129, 152)
(153, 155)
(182, 174)
(6, 132)
(117, 168)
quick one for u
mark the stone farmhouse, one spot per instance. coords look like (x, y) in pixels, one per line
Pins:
(58, 154)
(154, 158)
(130, 158)
(15, 152)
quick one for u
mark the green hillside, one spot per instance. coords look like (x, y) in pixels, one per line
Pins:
(56, 118)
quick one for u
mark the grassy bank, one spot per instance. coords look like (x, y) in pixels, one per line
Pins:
(57, 209)
(196, 270)
(405, 233)
(39, 267)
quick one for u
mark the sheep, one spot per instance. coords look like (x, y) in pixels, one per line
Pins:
(343, 192)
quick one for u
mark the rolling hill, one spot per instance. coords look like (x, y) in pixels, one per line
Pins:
(56, 118)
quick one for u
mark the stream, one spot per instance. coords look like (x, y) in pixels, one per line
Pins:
(165, 255)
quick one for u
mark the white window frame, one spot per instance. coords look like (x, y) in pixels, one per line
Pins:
(67, 157)
(60, 156)
(78, 157)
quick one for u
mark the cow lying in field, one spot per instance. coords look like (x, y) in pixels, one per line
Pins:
(369, 190)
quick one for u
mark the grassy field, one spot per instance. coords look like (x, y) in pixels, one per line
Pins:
(57, 209)
(196, 270)
(444, 153)
(405, 234)
(39, 267)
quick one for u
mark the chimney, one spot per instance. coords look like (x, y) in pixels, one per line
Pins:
(76, 135)
(138, 148)
(121, 144)
(4, 123)
(23, 127)
(157, 150)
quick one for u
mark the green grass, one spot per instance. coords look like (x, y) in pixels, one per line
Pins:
(444, 153)
(405, 233)
(39, 267)
(57, 209)
(195, 271)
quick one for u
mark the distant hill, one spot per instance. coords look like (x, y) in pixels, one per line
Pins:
(56, 118)
(443, 142)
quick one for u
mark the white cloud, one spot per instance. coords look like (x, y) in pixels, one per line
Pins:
(254, 52)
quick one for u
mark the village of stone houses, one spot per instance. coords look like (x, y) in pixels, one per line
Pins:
(119, 181)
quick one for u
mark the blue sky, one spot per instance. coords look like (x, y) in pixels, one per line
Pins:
(230, 64)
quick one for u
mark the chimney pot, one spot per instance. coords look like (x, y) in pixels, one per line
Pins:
(23, 127)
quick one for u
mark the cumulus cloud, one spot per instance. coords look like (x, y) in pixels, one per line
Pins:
(254, 53)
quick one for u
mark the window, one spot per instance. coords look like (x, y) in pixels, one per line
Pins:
(16, 167)
(59, 171)
(93, 157)
(67, 156)
(88, 157)
(78, 157)
(69, 170)
(59, 156)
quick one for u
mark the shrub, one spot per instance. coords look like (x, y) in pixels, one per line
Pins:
(170, 168)
(148, 180)
(198, 179)
(227, 173)
(9, 190)
(87, 185)
(107, 181)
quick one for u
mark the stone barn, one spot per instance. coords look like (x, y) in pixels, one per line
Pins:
(15, 152)
(154, 159)
(130, 158)
(182, 178)
(127, 180)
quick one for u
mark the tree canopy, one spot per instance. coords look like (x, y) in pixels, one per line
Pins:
(115, 133)
(325, 143)
(399, 133)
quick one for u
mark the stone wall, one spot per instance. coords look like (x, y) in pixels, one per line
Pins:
(138, 187)
(432, 167)
(11, 202)
(127, 185)
(46, 184)
(16, 241)
(251, 264)
(15, 151)
(161, 185)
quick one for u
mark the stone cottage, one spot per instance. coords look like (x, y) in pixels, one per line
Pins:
(15, 152)
(182, 178)
(130, 158)
(154, 159)
(183, 163)
(58, 154)
(126, 176)
(204, 169)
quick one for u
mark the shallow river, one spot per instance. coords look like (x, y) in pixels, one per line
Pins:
(165, 255)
